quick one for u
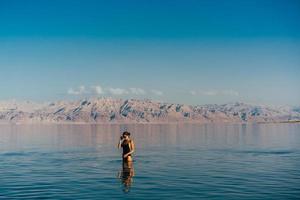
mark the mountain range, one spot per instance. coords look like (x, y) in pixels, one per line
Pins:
(110, 110)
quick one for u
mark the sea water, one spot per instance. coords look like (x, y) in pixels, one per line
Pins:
(171, 161)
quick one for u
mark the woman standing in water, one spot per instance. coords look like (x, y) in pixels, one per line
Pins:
(128, 146)
(127, 171)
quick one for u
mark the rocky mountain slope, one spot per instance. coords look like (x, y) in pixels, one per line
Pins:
(103, 110)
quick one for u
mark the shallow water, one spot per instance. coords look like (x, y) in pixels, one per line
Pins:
(171, 161)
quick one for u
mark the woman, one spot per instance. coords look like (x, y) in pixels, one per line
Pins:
(128, 146)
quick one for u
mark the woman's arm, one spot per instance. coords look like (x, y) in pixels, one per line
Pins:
(132, 146)
(120, 143)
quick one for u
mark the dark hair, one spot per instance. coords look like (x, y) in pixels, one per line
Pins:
(126, 133)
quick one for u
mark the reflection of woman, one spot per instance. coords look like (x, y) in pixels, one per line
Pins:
(128, 146)
(126, 175)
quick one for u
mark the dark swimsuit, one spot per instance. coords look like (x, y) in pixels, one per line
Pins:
(126, 148)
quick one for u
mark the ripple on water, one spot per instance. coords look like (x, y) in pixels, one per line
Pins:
(200, 165)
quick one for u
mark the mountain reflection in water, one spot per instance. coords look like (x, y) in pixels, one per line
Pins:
(171, 161)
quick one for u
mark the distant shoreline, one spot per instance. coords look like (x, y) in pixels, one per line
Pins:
(145, 123)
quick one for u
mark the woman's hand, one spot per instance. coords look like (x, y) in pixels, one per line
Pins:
(125, 155)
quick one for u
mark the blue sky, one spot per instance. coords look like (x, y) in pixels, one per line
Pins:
(193, 52)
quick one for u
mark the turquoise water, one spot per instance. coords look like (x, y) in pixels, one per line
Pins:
(171, 162)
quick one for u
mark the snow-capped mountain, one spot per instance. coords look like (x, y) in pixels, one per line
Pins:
(106, 110)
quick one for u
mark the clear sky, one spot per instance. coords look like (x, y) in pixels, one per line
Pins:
(192, 52)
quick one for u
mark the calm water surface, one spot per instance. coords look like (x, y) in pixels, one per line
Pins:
(171, 162)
